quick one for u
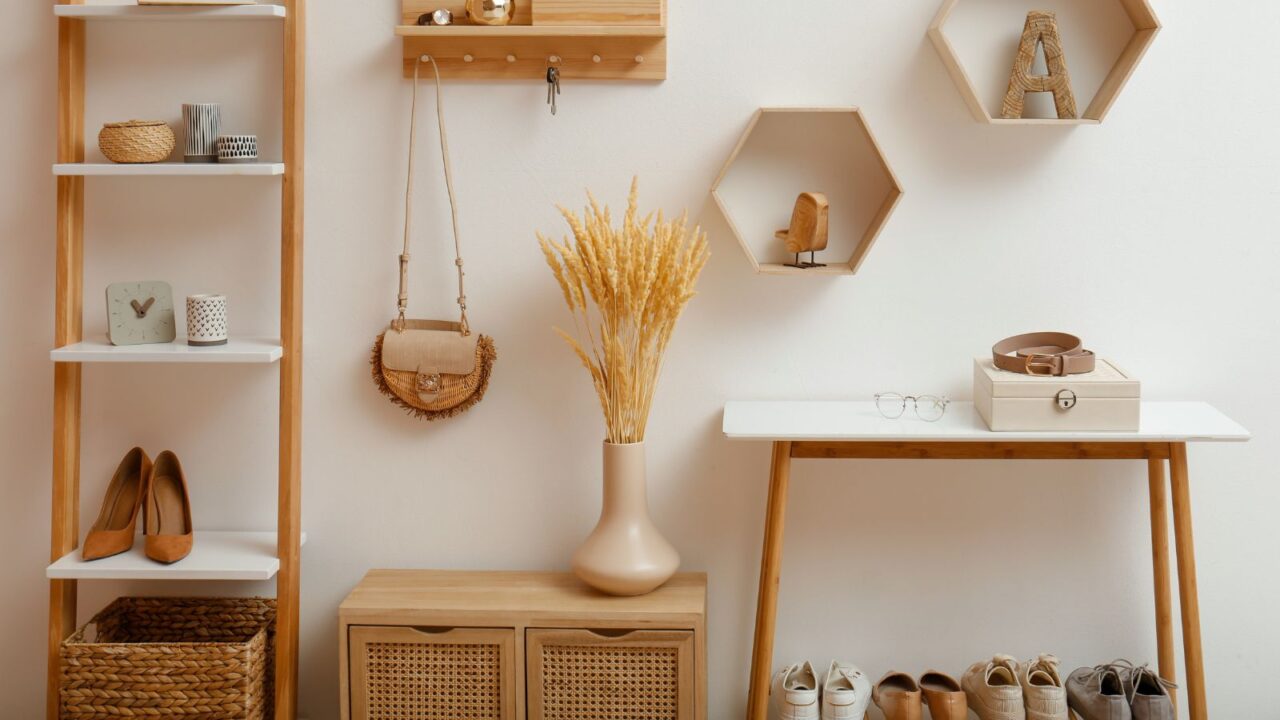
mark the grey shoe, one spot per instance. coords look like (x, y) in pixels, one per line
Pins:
(1150, 695)
(1098, 693)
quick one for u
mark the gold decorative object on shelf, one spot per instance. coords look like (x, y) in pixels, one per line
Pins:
(491, 12)
(808, 229)
(1041, 30)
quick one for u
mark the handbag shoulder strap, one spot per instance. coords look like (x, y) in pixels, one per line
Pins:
(403, 298)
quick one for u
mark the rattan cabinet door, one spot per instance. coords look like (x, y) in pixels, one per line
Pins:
(405, 673)
(607, 675)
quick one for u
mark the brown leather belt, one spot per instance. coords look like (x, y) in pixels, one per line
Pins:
(1043, 353)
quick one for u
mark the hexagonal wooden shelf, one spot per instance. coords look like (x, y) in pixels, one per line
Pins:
(786, 151)
(1145, 26)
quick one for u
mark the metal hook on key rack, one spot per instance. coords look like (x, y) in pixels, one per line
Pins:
(553, 81)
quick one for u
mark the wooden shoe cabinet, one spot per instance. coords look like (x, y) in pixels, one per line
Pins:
(439, 645)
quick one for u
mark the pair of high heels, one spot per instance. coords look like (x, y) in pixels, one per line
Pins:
(156, 490)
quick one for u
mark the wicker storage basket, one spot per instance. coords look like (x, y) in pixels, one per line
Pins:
(136, 141)
(194, 658)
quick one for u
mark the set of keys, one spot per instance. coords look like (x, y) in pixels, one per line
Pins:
(553, 86)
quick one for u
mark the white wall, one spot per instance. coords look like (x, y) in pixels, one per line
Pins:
(1153, 235)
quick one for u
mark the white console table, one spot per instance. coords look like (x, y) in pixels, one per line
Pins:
(844, 430)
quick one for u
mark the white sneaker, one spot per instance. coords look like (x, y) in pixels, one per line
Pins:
(794, 693)
(1042, 690)
(846, 692)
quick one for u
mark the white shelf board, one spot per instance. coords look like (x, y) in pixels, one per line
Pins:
(237, 350)
(168, 168)
(171, 12)
(861, 422)
(215, 555)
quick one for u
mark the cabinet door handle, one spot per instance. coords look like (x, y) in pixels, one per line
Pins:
(433, 629)
(610, 632)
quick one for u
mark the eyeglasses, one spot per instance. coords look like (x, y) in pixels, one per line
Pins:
(929, 408)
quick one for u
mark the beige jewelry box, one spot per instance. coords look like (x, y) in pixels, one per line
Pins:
(1106, 399)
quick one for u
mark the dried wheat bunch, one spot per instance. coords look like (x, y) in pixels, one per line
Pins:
(626, 287)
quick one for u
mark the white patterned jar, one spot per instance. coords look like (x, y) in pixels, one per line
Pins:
(201, 123)
(237, 148)
(206, 320)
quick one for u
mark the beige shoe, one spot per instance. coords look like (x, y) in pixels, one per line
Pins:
(993, 690)
(794, 693)
(166, 511)
(898, 697)
(1042, 692)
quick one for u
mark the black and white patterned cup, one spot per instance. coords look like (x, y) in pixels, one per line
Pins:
(206, 320)
(201, 123)
(237, 148)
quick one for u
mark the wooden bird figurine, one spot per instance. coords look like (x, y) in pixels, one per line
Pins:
(808, 230)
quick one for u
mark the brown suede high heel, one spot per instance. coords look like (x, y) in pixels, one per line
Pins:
(166, 511)
(112, 533)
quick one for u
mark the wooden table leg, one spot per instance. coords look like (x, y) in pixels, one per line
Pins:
(770, 572)
(1160, 563)
(1183, 541)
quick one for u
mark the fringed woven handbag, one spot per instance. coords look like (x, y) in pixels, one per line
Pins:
(432, 368)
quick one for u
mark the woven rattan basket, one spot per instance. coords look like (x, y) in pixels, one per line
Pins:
(136, 141)
(195, 658)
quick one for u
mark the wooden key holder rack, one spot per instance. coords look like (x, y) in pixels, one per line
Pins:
(616, 40)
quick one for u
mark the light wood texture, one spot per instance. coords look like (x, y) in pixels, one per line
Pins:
(1188, 593)
(237, 350)
(788, 424)
(867, 234)
(597, 12)
(1145, 25)
(68, 328)
(524, 602)
(215, 555)
(289, 498)
(175, 12)
(524, 51)
(1040, 30)
(1159, 505)
(1162, 422)
(523, 54)
(494, 32)
(770, 579)
(503, 638)
(681, 641)
(167, 169)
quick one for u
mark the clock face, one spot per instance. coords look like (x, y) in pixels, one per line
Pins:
(140, 313)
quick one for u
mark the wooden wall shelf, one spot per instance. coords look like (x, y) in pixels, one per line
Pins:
(1145, 26)
(786, 151)
(523, 51)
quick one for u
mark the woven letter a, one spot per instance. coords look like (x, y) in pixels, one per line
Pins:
(1041, 29)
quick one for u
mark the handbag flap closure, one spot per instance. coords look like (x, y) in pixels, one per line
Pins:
(429, 346)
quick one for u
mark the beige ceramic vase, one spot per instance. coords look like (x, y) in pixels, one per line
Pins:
(625, 554)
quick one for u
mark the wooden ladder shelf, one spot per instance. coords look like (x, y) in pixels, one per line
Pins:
(71, 351)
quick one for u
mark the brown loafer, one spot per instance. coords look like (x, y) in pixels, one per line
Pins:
(112, 533)
(166, 519)
(898, 697)
(945, 697)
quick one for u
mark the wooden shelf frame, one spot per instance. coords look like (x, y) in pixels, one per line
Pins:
(69, 331)
(174, 12)
(857, 125)
(523, 51)
(1145, 26)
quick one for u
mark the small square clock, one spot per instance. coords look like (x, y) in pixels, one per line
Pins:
(140, 313)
